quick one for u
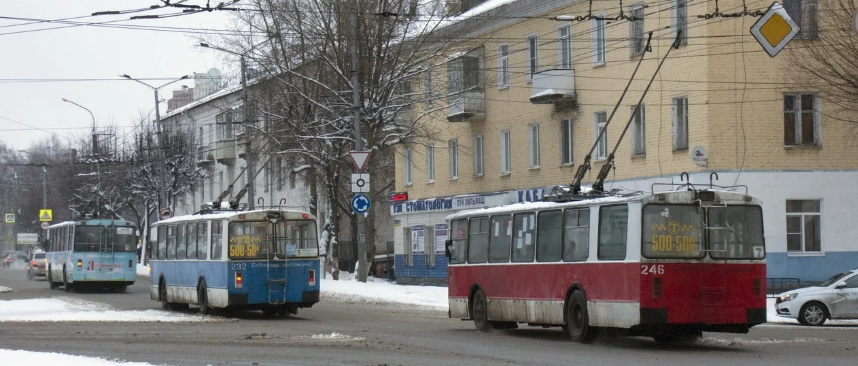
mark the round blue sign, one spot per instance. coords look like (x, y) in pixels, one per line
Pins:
(360, 203)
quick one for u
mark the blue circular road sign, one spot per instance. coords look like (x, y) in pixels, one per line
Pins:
(360, 203)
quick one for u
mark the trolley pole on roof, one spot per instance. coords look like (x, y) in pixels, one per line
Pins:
(361, 236)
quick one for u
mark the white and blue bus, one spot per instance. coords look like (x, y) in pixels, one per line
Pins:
(236, 260)
(96, 254)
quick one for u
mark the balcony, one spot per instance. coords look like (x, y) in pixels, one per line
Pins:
(205, 156)
(468, 106)
(555, 86)
(225, 151)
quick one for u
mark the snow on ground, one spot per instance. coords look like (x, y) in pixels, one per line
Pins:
(14, 358)
(70, 309)
(380, 290)
(5, 289)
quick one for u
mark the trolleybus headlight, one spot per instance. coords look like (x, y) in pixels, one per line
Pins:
(79, 263)
(789, 297)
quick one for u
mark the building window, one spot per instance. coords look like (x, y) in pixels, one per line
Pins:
(430, 164)
(429, 92)
(597, 27)
(805, 13)
(803, 226)
(478, 156)
(566, 142)
(639, 131)
(407, 167)
(533, 145)
(532, 56)
(505, 164)
(801, 120)
(464, 73)
(680, 123)
(453, 152)
(601, 119)
(679, 19)
(564, 47)
(636, 29)
(503, 66)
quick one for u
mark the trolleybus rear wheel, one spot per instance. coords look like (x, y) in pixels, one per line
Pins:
(577, 320)
(480, 312)
(51, 282)
(203, 299)
(66, 285)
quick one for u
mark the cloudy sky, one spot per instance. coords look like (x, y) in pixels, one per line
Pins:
(39, 64)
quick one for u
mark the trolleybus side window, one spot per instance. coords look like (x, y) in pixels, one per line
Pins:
(171, 241)
(217, 235)
(68, 236)
(550, 236)
(576, 235)
(525, 236)
(192, 240)
(180, 241)
(202, 240)
(162, 242)
(671, 231)
(478, 240)
(459, 236)
(613, 227)
(501, 235)
(736, 232)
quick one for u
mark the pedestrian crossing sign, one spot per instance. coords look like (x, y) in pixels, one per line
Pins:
(10, 218)
(45, 215)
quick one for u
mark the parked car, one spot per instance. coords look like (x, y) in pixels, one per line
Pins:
(836, 298)
(36, 266)
(14, 257)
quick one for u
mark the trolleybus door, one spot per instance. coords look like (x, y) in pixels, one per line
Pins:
(714, 272)
(277, 262)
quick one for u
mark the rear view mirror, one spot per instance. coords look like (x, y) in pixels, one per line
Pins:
(448, 244)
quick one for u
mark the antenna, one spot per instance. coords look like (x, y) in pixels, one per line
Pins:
(598, 185)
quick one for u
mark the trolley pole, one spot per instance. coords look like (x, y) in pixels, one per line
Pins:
(361, 235)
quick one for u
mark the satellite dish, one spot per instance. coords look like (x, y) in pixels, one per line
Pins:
(699, 156)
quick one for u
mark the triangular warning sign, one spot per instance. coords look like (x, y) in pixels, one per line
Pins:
(360, 158)
(45, 215)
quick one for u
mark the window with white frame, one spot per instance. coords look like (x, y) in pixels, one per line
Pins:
(805, 13)
(639, 130)
(600, 120)
(801, 120)
(636, 29)
(564, 47)
(679, 111)
(804, 220)
(503, 66)
(597, 37)
(428, 89)
(479, 163)
(679, 19)
(533, 145)
(532, 56)
(505, 163)
(406, 168)
(409, 250)
(430, 164)
(453, 153)
(566, 142)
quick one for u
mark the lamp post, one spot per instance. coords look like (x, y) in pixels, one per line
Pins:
(94, 138)
(251, 202)
(162, 195)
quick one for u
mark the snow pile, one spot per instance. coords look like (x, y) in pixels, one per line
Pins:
(11, 357)
(382, 291)
(68, 309)
(5, 289)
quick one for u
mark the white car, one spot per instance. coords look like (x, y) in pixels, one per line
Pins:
(836, 298)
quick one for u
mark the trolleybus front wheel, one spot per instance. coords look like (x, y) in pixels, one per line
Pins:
(480, 311)
(66, 284)
(162, 295)
(577, 320)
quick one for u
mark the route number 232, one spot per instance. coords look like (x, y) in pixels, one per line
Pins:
(652, 269)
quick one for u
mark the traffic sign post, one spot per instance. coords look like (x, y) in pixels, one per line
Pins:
(360, 204)
(45, 215)
(360, 183)
(165, 213)
(774, 29)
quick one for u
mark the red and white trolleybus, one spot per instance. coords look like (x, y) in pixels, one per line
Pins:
(668, 265)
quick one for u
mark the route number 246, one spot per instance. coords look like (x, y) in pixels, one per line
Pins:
(652, 269)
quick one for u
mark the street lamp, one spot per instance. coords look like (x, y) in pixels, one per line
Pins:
(162, 194)
(248, 152)
(94, 146)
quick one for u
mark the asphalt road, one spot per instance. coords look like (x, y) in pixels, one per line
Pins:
(389, 334)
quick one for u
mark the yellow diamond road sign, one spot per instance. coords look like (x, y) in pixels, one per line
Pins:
(45, 215)
(774, 29)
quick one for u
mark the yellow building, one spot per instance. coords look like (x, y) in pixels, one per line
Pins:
(534, 82)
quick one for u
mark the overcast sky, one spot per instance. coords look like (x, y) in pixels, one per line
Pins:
(91, 52)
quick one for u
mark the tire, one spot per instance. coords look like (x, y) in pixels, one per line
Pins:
(66, 285)
(51, 282)
(122, 288)
(29, 275)
(812, 313)
(162, 295)
(480, 312)
(577, 320)
(203, 298)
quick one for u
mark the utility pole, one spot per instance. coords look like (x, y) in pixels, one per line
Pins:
(251, 202)
(162, 193)
(44, 187)
(361, 235)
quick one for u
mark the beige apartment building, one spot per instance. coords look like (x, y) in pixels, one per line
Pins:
(524, 95)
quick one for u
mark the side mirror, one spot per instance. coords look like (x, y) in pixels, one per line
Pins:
(841, 285)
(448, 244)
